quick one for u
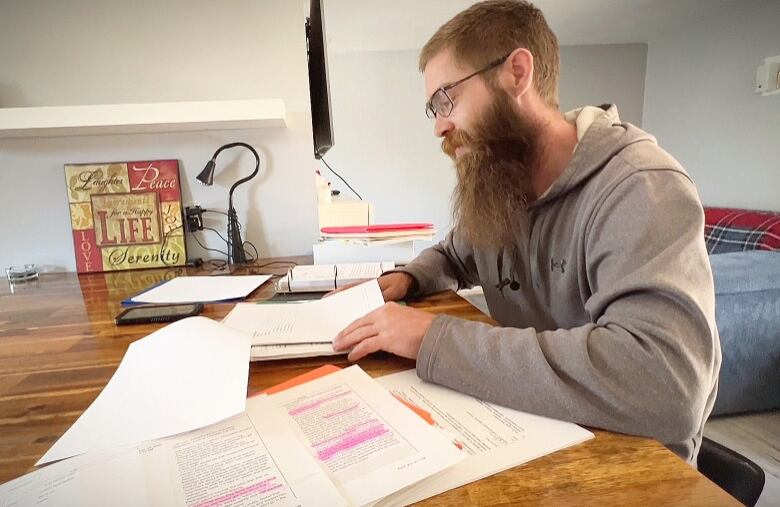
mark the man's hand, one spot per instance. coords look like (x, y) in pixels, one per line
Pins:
(393, 328)
(394, 286)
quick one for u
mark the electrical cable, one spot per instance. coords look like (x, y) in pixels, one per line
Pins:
(207, 248)
(253, 259)
(227, 242)
(342, 179)
(216, 263)
(165, 240)
(256, 256)
(215, 211)
(218, 234)
(288, 263)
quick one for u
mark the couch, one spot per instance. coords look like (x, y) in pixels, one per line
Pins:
(744, 248)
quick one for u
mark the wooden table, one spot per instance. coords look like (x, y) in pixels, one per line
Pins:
(59, 347)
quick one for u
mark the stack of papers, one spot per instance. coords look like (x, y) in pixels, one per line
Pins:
(495, 438)
(369, 444)
(173, 427)
(336, 440)
(379, 233)
(254, 458)
(371, 243)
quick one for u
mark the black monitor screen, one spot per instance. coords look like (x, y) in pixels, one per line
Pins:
(322, 126)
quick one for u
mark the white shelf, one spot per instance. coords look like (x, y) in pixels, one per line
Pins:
(141, 118)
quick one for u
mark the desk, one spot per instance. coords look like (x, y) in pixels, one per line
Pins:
(59, 347)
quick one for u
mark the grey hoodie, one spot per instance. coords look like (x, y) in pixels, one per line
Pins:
(605, 301)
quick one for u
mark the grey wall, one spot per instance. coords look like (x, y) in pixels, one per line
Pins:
(699, 102)
(112, 51)
(609, 73)
(697, 98)
(385, 145)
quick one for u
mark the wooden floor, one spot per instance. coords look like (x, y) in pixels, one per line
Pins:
(757, 437)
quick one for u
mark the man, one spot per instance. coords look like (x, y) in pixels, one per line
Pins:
(585, 236)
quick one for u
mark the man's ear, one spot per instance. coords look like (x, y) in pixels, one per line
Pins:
(521, 72)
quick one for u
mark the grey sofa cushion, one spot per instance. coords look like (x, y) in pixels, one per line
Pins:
(747, 312)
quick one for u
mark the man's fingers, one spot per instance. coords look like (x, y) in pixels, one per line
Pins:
(364, 348)
(356, 324)
(347, 341)
(366, 319)
(389, 294)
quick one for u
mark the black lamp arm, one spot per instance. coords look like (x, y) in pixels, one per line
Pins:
(242, 180)
(236, 254)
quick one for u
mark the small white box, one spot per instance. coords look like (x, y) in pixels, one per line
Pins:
(340, 213)
(334, 252)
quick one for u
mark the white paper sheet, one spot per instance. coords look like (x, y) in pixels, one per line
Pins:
(370, 444)
(202, 289)
(495, 438)
(186, 375)
(253, 458)
(310, 322)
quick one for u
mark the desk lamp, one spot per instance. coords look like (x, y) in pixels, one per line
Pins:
(236, 254)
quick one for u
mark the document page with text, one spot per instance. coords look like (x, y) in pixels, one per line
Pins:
(308, 322)
(251, 459)
(369, 442)
(496, 438)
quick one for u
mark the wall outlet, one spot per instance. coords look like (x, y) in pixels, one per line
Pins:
(768, 77)
(193, 218)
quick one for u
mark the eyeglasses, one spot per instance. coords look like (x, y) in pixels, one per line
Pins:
(440, 102)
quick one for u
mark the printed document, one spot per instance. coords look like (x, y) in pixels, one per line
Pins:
(187, 375)
(308, 322)
(496, 438)
(370, 444)
(201, 289)
(253, 458)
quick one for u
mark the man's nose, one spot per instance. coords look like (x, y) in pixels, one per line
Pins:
(442, 126)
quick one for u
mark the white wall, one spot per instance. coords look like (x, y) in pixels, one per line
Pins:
(699, 102)
(385, 145)
(112, 51)
(607, 73)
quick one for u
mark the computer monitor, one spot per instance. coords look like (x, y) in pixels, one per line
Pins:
(321, 123)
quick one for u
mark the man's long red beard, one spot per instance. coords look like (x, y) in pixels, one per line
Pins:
(494, 175)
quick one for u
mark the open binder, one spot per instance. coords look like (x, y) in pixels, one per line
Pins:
(328, 277)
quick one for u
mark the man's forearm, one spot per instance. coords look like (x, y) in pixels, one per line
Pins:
(636, 379)
(448, 265)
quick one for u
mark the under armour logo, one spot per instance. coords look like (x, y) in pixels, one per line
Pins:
(558, 265)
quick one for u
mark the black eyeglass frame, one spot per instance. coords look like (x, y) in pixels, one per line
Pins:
(431, 112)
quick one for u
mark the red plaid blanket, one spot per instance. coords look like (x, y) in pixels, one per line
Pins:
(737, 230)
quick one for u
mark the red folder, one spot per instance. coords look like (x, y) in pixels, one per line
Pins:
(364, 229)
